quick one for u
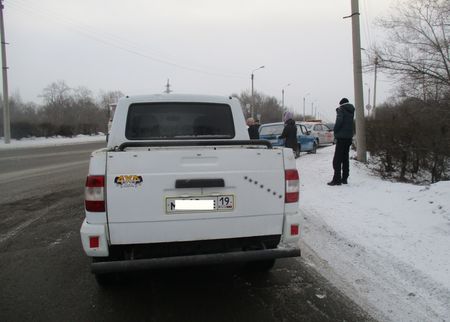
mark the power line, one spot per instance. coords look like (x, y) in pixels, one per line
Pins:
(89, 32)
(367, 23)
(24, 5)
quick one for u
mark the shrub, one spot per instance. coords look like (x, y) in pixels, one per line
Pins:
(410, 138)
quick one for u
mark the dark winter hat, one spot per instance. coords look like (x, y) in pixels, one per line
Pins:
(343, 101)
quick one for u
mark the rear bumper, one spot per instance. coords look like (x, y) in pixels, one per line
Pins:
(193, 260)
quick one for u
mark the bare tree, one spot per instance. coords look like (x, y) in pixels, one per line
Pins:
(57, 93)
(57, 97)
(266, 106)
(108, 98)
(418, 46)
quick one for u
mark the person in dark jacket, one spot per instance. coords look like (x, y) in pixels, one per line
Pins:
(290, 137)
(343, 133)
(253, 129)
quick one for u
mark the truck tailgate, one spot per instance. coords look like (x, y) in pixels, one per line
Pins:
(151, 194)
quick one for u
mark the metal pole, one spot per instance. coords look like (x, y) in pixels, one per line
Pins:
(304, 117)
(252, 107)
(358, 85)
(6, 115)
(375, 87)
(253, 100)
(304, 106)
(282, 101)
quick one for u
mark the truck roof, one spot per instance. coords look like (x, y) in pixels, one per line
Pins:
(178, 98)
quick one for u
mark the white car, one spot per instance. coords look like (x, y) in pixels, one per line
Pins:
(323, 134)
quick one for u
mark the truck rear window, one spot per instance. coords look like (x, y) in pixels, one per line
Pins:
(165, 121)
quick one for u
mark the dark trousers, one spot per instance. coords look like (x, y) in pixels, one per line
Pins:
(341, 159)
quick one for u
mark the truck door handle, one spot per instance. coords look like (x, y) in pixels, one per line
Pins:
(199, 183)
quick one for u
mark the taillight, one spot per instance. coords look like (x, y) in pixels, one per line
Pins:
(94, 194)
(292, 185)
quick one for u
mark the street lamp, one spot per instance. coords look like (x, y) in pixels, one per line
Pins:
(304, 100)
(282, 96)
(252, 107)
(312, 109)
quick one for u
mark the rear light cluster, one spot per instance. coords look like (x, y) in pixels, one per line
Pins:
(292, 185)
(94, 194)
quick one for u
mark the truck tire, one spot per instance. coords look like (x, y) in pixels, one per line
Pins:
(314, 149)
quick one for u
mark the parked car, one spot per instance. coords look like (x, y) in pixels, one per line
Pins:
(330, 125)
(271, 132)
(323, 134)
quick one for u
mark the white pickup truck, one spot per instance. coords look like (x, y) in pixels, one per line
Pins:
(180, 183)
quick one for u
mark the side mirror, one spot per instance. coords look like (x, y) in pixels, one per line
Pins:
(308, 132)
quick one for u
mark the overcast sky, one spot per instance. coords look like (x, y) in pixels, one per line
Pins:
(202, 46)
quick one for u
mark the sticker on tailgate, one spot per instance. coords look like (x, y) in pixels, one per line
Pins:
(128, 181)
(199, 204)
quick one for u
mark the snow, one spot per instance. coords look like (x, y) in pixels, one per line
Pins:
(53, 141)
(385, 244)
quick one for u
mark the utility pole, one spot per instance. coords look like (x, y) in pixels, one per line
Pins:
(6, 115)
(282, 102)
(253, 100)
(375, 86)
(168, 90)
(361, 154)
(304, 104)
(304, 118)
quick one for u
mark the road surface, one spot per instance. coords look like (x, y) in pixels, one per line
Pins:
(45, 276)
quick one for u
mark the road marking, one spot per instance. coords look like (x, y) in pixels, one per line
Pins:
(22, 174)
(10, 234)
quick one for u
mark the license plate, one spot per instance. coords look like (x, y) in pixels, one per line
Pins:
(199, 204)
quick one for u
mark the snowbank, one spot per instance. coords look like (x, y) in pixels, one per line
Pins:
(53, 141)
(387, 245)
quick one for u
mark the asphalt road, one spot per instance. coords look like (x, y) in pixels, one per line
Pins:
(45, 276)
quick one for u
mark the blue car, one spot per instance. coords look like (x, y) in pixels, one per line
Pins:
(271, 132)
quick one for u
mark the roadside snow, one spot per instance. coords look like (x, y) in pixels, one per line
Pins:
(53, 141)
(385, 244)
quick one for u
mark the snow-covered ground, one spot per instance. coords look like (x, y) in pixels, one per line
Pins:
(38, 142)
(385, 244)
